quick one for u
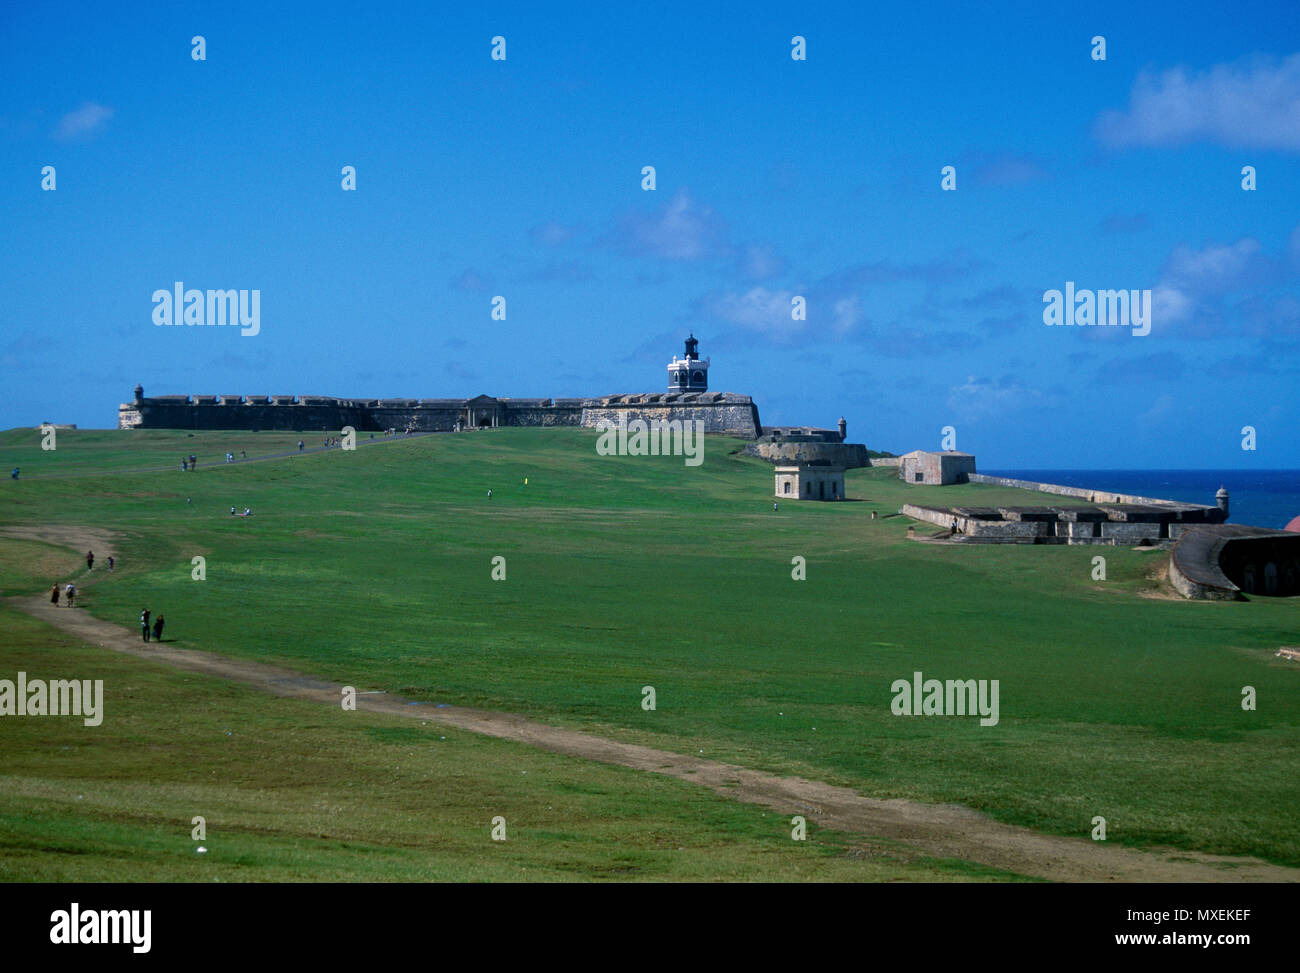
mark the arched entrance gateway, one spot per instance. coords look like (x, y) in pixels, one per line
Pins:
(482, 412)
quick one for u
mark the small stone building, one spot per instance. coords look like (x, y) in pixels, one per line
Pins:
(807, 482)
(935, 469)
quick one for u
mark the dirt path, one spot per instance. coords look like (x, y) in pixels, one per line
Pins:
(80, 539)
(945, 831)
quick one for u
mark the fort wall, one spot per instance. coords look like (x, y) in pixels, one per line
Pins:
(1082, 493)
(724, 413)
(786, 453)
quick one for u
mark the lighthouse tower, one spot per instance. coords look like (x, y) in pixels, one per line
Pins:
(689, 374)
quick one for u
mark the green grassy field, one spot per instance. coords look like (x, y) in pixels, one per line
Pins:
(374, 567)
(292, 791)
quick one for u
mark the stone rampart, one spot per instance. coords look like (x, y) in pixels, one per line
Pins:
(734, 415)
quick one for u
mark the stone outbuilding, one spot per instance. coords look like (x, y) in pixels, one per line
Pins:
(807, 482)
(935, 469)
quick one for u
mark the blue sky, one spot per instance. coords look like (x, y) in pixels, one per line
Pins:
(775, 178)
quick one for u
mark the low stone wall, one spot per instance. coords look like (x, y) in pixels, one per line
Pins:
(931, 515)
(1082, 493)
(892, 461)
(788, 453)
(1122, 533)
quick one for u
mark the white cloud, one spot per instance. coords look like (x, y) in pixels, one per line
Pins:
(84, 121)
(1169, 305)
(758, 309)
(1215, 268)
(979, 397)
(1252, 105)
(1222, 290)
(552, 234)
(681, 229)
(759, 262)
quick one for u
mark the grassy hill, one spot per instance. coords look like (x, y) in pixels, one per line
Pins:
(374, 567)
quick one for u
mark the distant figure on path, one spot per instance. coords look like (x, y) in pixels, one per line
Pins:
(953, 530)
(300, 445)
(158, 629)
(70, 593)
(54, 595)
(773, 506)
(185, 464)
(243, 453)
(194, 462)
(489, 494)
(144, 624)
(110, 562)
(248, 512)
(232, 511)
(90, 560)
(14, 474)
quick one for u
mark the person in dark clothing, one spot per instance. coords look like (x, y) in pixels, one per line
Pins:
(90, 560)
(54, 595)
(110, 562)
(144, 624)
(14, 474)
(158, 629)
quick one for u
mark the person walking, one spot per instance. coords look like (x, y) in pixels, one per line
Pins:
(158, 629)
(144, 624)
(185, 464)
(110, 562)
(14, 474)
(70, 593)
(773, 506)
(54, 595)
(90, 560)
(300, 445)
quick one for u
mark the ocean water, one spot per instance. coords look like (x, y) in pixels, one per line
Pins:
(1262, 498)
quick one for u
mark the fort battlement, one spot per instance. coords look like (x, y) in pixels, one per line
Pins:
(688, 399)
(721, 412)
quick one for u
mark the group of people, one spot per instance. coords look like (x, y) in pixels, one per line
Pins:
(190, 462)
(247, 512)
(69, 591)
(90, 561)
(145, 628)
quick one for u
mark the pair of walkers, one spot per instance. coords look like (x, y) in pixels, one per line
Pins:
(145, 628)
(69, 595)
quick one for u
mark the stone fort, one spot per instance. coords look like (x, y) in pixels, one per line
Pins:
(687, 399)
